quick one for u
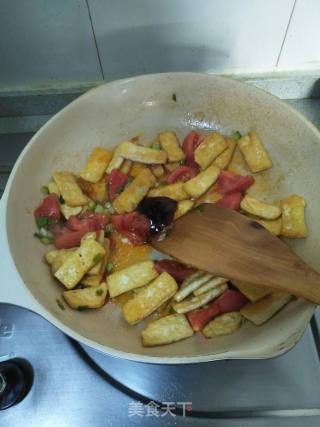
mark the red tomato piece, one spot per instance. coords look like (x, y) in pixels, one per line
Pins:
(177, 270)
(200, 317)
(229, 182)
(231, 201)
(134, 226)
(116, 181)
(231, 300)
(49, 207)
(182, 174)
(76, 227)
(190, 143)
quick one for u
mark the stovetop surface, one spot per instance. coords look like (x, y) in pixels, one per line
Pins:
(77, 386)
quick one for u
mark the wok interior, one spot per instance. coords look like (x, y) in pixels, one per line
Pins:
(145, 106)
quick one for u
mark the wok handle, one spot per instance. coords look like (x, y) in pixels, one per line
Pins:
(12, 288)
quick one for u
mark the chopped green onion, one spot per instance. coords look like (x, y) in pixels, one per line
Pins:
(109, 267)
(182, 162)
(120, 190)
(98, 208)
(42, 221)
(108, 206)
(99, 292)
(130, 179)
(60, 305)
(199, 208)
(82, 307)
(52, 221)
(174, 97)
(79, 286)
(46, 241)
(61, 200)
(156, 146)
(44, 189)
(108, 230)
(237, 135)
(96, 258)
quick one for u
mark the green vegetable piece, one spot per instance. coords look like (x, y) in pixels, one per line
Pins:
(237, 135)
(42, 221)
(108, 230)
(60, 305)
(182, 162)
(44, 189)
(61, 200)
(109, 267)
(99, 292)
(83, 307)
(97, 258)
(199, 208)
(156, 146)
(174, 97)
(98, 208)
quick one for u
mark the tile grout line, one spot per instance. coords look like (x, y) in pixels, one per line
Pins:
(286, 33)
(94, 37)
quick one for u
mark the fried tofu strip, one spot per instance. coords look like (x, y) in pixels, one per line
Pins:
(157, 170)
(129, 199)
(225, 324)
(81, 299)
(171, 166)
(173, 191)
(132, 277)
(82, 260)
(137, 168)
(97, 191)
(92, 281)
(223, 160)
(211, 284)
(262, 210)
(199, 301)
(97, 164)
(126, 166)
(274, 225)
(183, 207)
(53, 188)
(150, 298)
(68, 211)
(166, 330)
(69, 189)
(209, 149)
(202, 182)
(57, 257)
(192, 283)
(293, 219)
(116, 160)
(254, 153)
(262, 310)
(252, 292)
(169, 142)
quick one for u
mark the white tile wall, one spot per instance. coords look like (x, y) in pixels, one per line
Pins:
(145, 36)
(301, 48)
(43, 40)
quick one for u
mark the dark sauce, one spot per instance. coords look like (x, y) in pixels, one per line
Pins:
(160, 212)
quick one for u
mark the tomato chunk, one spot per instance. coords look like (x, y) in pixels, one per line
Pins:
(134, 226)
(182, 174)
(229, 182)
(49, 207)
(76, 227)
(200, 317)
(116, 181)
(177, 270)
(231, 201)
(231, 300)
(190, 143)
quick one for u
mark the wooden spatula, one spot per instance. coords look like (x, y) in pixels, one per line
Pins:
(228, 244)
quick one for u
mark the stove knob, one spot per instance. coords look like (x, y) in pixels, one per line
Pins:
(16, 379)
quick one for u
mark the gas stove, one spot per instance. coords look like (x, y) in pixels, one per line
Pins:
(69, 384)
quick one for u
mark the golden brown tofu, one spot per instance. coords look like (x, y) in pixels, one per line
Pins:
(82, 260)
(262, 310)
(129, 199)
(97, 164)
(92, 281)
(262, 210)
(53, 188)
(166, 330)
(212, 283)
(223, 160)
(274, 225)
(126, 166)
(192, 283)
(183, 207)
(293, 220)
(199, 301)
(173, 191)
(137, 168)
(132, 277)
(69, 189)
(198, 185)
(116, 160)
(209, 149)
(157, 170)
(68, 211)
(57, 257)
(138, 153)
(81, 299)
(97, 191)
(169, 142)
(210, 197)
(254, 153)
(171, 166)
(225, 324)
(150, 298)
(252, 292)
